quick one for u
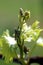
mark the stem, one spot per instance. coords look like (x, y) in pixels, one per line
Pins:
(21, 56)
(21, 42)
(21, 53)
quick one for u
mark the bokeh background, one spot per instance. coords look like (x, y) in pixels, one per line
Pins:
(9, 10)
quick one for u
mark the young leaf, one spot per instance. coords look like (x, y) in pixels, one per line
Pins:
(35, 24)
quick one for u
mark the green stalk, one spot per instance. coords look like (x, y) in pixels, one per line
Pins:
(21, 56)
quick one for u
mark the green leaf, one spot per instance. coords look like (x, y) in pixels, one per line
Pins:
(34, 64)
(35, 24)
(9, 52)
(6, 33)
(7, 47)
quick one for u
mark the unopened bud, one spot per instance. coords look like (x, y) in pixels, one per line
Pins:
(21, 12)
(27, 15)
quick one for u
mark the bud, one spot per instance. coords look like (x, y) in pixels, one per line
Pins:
(21, 12)
(27, 15)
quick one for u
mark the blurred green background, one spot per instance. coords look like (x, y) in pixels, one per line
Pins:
(9, 10)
